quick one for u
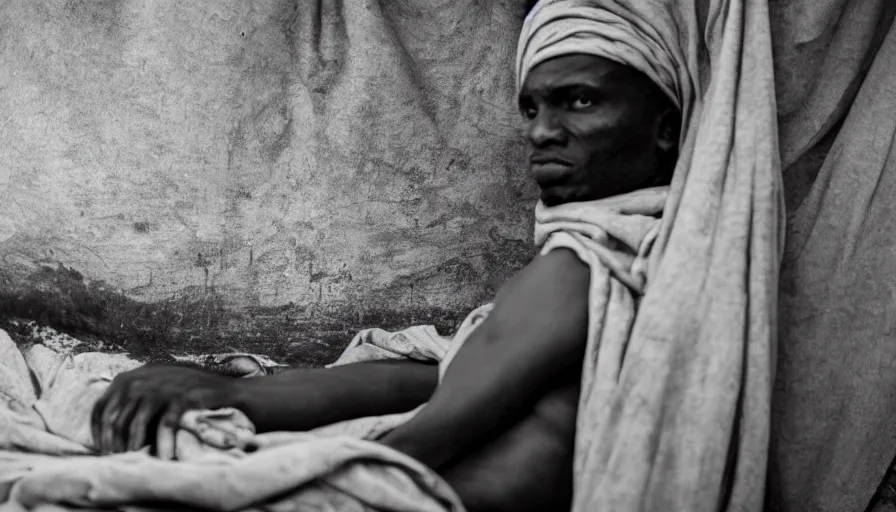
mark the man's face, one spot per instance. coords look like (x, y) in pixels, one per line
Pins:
(595, 127)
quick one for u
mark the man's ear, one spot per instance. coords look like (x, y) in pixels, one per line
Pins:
(668, 132)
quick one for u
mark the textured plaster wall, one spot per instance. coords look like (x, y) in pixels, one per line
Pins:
(283, 171)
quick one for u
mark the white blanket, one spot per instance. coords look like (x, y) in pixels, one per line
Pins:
(47, 455)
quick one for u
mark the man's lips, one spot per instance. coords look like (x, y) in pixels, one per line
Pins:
(547, 171)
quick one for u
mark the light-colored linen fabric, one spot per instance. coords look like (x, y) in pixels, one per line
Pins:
(822, 51)
(47, 457)
(685, 425)
(835, 394)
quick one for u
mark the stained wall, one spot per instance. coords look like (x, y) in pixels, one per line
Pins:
(272, 173)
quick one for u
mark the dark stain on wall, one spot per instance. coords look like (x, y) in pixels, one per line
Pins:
(103, 15)
(198, 320)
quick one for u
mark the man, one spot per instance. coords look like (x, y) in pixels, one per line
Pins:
(596, 129)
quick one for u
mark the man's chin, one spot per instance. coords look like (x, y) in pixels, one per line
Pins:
(556, 196)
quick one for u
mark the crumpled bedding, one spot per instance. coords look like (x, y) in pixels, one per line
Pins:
(223, 465)
(46, 455)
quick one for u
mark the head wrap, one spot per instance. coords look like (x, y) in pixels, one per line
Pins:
(557, 28)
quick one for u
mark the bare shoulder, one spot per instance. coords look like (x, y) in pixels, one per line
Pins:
(559, 268)
(549, 295)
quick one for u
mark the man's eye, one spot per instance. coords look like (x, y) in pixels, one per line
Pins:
(582, 102)
(529, 112)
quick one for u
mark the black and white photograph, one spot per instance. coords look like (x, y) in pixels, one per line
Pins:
(448, 255)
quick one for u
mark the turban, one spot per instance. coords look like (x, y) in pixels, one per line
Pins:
(557, 28)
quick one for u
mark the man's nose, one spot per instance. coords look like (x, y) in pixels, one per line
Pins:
(546, 130)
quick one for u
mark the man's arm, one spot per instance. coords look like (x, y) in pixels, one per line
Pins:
(536, 331)
(309, 398)
(127, 416)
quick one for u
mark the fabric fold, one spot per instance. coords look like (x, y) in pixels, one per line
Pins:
(834, 407)
(221, 463)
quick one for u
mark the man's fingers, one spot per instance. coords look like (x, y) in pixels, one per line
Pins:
(140, 425)
(168, 425)
(110, 413)
(121, 423)
(96, 419)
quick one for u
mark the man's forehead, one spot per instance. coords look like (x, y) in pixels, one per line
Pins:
(571, 71)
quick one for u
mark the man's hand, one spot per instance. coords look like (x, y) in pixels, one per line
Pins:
(146, 404)
(150, 401)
